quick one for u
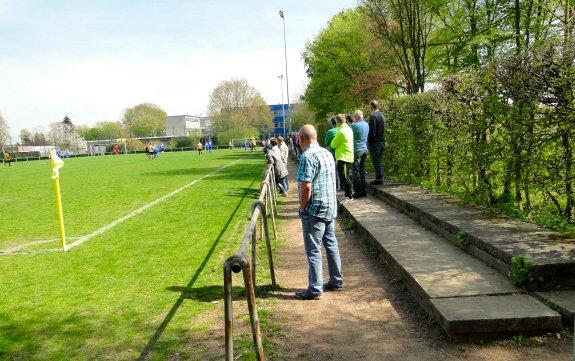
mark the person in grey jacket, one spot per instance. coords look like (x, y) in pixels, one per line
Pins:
(273, 157)
(284, 153)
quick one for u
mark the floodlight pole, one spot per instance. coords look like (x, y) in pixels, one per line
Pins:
(287, 80)
(281, 77)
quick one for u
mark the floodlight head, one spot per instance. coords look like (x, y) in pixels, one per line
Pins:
(281, 14)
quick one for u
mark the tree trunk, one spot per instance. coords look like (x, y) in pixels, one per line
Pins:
(568, 161)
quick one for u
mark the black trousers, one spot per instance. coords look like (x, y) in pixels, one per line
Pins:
(343, 169)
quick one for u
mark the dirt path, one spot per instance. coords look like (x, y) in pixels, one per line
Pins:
(374, 317)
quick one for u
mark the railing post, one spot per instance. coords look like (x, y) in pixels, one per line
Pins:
(254, 256)
(239, 262)
(255, 322)
(269, 246)
(269, 184)
(228, 311)
(273, 211)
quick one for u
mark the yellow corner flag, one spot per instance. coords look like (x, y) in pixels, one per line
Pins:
(58, 163)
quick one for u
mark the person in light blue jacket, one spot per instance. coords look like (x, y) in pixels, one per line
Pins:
(360, 130)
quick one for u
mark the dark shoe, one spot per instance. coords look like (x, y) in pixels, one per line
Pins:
(307, 295)
(329, 287)
(356, 195)
(376, 182)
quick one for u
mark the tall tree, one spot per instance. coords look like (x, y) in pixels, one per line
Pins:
(145, 120)
(346, 65)
(406, 26)
(26, 137)
(64, 135)
(4, 135)
(39, 136)
(301, 115)
(68, 122)
(235, 104)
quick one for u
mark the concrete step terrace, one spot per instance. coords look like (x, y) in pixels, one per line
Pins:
(491, 237)
(469, 299)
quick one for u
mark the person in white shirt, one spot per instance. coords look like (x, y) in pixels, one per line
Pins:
(284, 150)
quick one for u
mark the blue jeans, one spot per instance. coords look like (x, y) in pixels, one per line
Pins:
(317, 231)
(282, 184)
(376, 154)
(358, 176)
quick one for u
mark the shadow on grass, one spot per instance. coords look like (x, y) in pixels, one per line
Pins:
(226, 173)
(244, 192)
(187, 290)
(24, 338)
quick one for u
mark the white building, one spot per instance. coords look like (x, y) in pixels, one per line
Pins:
(184, 125)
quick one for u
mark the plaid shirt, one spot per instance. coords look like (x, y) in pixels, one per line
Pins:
(317, 167)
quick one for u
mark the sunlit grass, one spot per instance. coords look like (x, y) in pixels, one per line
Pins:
(136, 288)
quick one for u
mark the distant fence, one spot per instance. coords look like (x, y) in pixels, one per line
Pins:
(240, 262)
(29, 156)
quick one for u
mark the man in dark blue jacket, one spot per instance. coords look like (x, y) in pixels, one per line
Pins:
(376, 141)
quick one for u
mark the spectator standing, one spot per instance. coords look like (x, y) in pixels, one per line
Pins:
(7, 160)
(297, 146)
(280, 170)
(360, 130)
(329, 135)
(342, 143)
(116, 149)
(317, 211)
(284, 150)
(376, 141)
(276, 146)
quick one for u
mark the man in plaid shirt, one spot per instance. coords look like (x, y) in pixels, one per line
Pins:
(318, 209)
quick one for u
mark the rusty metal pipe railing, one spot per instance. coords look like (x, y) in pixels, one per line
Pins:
(239, 263)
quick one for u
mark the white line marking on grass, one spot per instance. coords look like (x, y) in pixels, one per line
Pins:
(17, 250)
(140, 210)
(9, 253)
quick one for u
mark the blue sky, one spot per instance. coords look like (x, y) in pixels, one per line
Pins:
(91, 60)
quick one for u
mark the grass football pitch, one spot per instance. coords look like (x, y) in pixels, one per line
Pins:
(136, 289)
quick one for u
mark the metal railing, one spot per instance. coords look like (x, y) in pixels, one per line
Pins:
(240, 262)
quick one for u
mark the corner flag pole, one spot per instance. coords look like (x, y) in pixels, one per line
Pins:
(58, 163)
